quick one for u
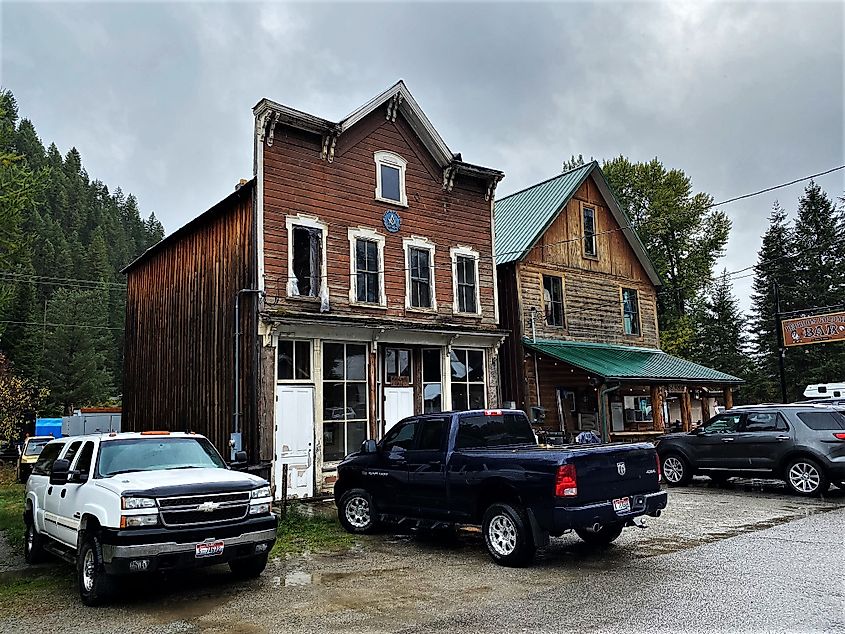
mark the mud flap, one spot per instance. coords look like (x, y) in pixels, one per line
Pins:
(541, 537)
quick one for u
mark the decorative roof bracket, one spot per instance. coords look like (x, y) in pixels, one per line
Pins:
(262, 123)
(491, 188)
(449, 174)
(393, 107)
(329, 144)
(272, 132)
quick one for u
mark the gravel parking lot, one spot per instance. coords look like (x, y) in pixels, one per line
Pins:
(708, 538)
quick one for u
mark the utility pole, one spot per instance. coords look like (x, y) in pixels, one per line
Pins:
(781, 347)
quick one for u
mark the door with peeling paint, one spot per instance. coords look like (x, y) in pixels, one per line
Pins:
(295, 440)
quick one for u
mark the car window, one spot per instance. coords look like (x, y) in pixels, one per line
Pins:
(34, 447)
(71, 451)
(494, 430)
(822, 421)
(431, 434)
(47, 458)
(400, 437)
(723, 424)
(764, 421)
(83, 462)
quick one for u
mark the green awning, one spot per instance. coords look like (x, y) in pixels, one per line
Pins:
(627, 363)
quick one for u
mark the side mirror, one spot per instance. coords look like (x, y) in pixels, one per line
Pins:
(240, 457)
(59, 472)
(368, 446)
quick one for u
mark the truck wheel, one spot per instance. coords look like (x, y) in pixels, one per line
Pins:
(676, 470)
(95, 585)
(33, 543)
(601, 537)
(357, 513)
(805, 477)
(508, 535)
(248, 567)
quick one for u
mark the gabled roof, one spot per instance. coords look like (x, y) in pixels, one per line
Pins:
(627, 363)
(523, 217)
(401, 99)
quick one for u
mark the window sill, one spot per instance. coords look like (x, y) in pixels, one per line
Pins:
(397, 203)
(305, 298)
(368, 305)
(421, 311)
(587, 256)
(468, 315)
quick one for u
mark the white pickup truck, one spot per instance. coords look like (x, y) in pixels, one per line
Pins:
(121, 503)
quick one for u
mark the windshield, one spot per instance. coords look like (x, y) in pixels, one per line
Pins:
(142, 454)
(34, 447)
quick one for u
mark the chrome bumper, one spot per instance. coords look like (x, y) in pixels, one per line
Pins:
(111, 551)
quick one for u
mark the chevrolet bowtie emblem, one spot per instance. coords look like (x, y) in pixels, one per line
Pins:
(620, 467)
(208, 507)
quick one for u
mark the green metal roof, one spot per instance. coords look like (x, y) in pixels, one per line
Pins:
(524, 216)
(628, 362)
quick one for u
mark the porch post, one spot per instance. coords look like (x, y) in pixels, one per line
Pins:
(373, 390)
(657, 407)
(686, 409)
(705, 406)
(729, 397)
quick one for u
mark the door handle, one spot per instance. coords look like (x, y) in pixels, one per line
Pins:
(63, 492)
(782, 438)
(50, 491)
(727, 439)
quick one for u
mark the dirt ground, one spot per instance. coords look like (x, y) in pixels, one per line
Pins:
(394, 582)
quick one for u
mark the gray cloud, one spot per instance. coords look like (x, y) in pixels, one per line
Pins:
(158, 97)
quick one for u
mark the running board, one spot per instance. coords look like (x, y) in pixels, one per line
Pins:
(60, 551)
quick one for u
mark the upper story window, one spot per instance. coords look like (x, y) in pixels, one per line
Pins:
(390, 178)
(366, 257)
(589, 227)
(306, 256)
(465, 281)
(630, 311)
(553, 300)
(419, 258)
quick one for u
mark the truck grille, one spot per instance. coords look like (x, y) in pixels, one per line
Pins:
(195, 510)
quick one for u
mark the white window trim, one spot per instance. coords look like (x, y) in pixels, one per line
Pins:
(363, 233)
(465, 252)
(311, 222)
(419, 243)
(294, 381)
(391, 159)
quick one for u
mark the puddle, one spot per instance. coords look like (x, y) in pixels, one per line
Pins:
(296, 578)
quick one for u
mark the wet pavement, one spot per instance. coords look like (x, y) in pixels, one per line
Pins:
(748, 557)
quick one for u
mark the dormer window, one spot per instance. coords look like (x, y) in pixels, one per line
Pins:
(390, 178)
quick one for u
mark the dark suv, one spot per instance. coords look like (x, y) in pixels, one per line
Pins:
(801, 444)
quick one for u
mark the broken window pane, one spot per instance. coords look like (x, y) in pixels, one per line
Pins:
(307, 260)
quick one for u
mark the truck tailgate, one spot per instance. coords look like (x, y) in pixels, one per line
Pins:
(606, 472)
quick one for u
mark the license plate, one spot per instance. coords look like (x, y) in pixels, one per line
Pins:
(209, 549)
(622, 505)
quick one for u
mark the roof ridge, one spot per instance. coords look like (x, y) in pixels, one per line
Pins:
(543, 182)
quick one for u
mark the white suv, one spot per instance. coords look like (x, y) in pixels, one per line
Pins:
(116, 504)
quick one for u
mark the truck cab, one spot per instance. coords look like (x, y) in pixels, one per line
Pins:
(123, 503)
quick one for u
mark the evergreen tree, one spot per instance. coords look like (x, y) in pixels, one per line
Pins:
(723, 341)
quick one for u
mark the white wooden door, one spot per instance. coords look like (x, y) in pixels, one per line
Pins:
(295, 440)
(398, 404)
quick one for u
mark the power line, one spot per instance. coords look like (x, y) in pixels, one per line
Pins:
(58, 281)
(49, 323)
(770, 189)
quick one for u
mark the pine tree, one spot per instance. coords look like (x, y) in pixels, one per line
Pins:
(722, 337)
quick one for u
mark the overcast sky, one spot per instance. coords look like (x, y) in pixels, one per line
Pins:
(158, 97)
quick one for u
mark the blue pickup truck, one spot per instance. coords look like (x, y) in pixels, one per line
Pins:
(485, 467)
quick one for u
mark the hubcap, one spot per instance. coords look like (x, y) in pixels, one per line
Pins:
(358, 512)
(502, 535)
(30, 537)
(673, 469)
(88, 570)
(804, 477)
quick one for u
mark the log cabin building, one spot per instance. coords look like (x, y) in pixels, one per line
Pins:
(349, 284)
(578, 294)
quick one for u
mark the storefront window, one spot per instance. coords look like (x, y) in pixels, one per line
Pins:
(432, 380)
(468, 386)
(397, 366)
(344, 398)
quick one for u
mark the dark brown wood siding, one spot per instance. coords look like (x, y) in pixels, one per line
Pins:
(341, 194)
(180, 321)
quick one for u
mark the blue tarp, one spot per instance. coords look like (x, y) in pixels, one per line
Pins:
(48, 427)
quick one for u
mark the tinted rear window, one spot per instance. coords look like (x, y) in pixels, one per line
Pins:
(47, 458)
(821, 421)
(494, 431)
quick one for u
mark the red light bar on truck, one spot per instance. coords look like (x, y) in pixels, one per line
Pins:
(492, 412)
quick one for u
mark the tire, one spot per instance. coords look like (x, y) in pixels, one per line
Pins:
(804, 476)
(676, 470)
(357, 512)
(507, 535)
(33, 543)
(96, 587)
(249, 567)
(604, 536)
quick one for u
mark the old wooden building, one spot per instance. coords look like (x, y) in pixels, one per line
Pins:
(578, 294)
(362, 257)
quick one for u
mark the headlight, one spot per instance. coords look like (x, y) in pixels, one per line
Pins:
(137, 503)
(259, 509)
(135, 521)
(261, 492)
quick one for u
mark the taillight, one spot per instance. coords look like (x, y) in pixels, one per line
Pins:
(840, 436)
(566, 484)
(492, 412)
(659, 475)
